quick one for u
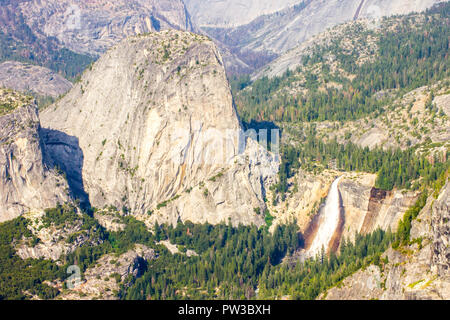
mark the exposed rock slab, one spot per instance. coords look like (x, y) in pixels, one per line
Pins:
(28, 78)
(232, 13)
(441, 233)
(109, 220)
(368, 208)
(94, 26)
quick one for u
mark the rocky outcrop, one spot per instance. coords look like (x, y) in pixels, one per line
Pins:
(54, 241)
(26, 182)
(103, 281)
(173, 249)
(165, 142)
(419, 271)
(91, 27)
(443, 103)
(109, 220)
(28, 78)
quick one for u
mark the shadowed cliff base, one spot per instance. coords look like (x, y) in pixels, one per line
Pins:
(65, 154)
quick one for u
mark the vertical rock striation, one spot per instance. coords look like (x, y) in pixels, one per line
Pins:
(368, 208)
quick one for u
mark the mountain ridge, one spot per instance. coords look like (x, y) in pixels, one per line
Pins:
(275, 34)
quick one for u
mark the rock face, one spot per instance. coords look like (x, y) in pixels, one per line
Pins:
(420, 271)
(93, 26)
(26, 182)
(109, 220)
(55, 241)
(29, 78)
(165, 136)
(368, 208)
(232, 13)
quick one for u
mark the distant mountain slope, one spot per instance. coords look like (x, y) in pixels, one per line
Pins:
(233, 13)
(66, 36)
(21, 42)
(30, 78)
(353, 70)
(293, 58)
(276, 33)
(91, 27)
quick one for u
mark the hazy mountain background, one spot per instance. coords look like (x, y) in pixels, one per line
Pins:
(67, 35)
(269, 35)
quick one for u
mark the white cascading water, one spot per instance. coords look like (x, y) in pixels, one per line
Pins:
(328, 222)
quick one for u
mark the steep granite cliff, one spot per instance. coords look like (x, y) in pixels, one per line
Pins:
(368, 208)
(235, 13)
(26, 182)
(152, 130)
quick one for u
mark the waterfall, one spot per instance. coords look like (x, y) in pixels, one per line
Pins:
(328, 222)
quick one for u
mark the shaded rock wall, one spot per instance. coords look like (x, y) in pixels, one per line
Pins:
(26, 181)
